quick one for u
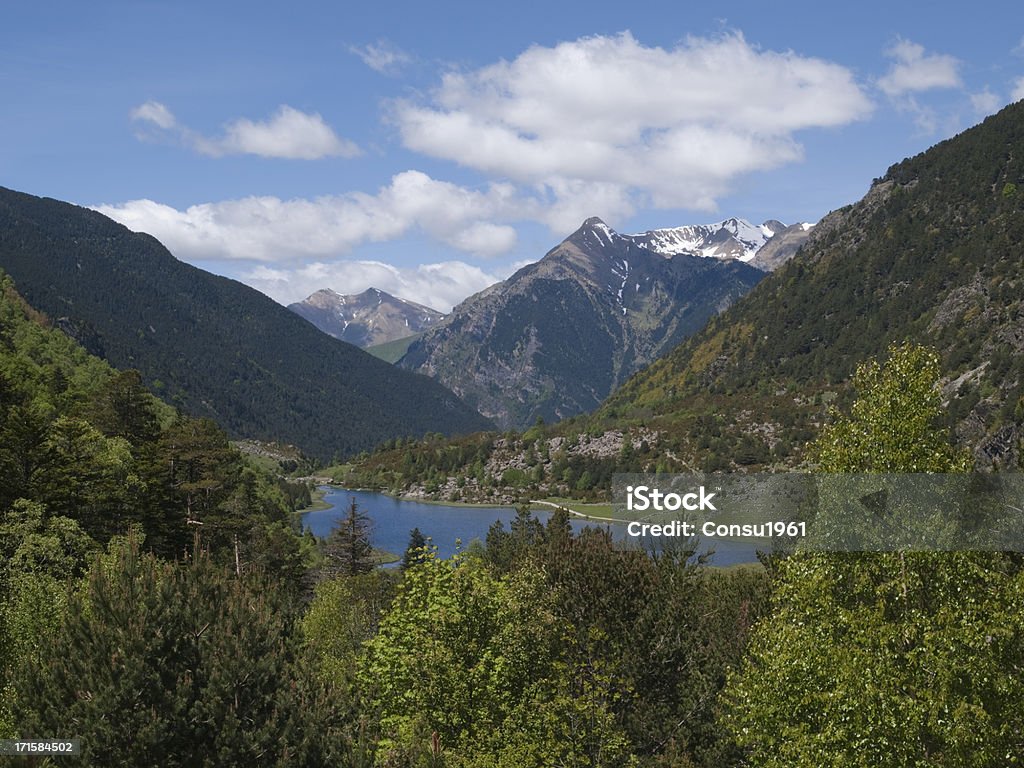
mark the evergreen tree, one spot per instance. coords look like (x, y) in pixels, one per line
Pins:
(507, 549)
(177, 665)
(416, 552)
(347, 550)
(558, 531)
(87, 477)
(124, 408)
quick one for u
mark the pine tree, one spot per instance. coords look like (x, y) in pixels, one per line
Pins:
(124, 408)
(178, 665)
(347, 550)
(416, 552)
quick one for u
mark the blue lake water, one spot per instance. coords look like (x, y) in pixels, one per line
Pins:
(392, 520)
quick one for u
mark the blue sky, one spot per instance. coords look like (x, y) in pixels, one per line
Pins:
(429, 149)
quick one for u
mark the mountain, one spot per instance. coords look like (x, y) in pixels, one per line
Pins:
(210, 345)
(934, 253)
(560, 334)
(781, 247)
(367, 319)
(729, 239)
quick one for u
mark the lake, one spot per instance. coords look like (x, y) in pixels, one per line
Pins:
(392, 519)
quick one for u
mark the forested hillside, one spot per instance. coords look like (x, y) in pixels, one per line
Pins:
(934, 253)
(89, 457)
(537, 647)
(211, 346)
(83, 442)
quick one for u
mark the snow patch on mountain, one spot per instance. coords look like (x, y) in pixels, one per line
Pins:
(729, 239)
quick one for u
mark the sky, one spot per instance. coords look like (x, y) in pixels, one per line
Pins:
(431, 149)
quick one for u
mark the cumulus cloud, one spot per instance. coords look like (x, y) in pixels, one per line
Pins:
(485, 239)
(440, 285)
(597, 126)
(269, 229)
(1018, 90)
(913, 70)
(154, 113)
(985, 102)
(288, 133)
(383, 57)
(674, 127)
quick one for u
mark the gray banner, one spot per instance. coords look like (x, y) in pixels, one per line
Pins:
(826, 513)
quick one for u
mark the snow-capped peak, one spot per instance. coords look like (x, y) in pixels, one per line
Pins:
(732, 238)
(597, 230)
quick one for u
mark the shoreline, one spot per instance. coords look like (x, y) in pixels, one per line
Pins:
(574, 513)
(317, 504)
(532, 503)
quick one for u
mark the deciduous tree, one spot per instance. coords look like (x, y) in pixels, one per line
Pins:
(905, 658)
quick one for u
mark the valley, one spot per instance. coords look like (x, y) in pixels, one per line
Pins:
(261, 504)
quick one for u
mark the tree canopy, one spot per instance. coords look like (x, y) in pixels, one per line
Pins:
(887, 658)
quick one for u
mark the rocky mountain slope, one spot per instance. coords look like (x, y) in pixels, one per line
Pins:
(367, 319)
(559, 335)
(730, 239)
(212, 346)
(781, 247)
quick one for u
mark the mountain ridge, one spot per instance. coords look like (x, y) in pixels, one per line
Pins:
(932, 253)
(556, 337)
(732, 238)
(366, 319)
(208, 344)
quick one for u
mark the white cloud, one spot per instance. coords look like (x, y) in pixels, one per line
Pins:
(485, 239)
(597, 126)
(156, 113)
(674, 127)
(568, 202)
(440, 285)
(914, 71)
(383, 57)
(1018, 89)
(986, 102)
(289, 134)
(269, 229)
